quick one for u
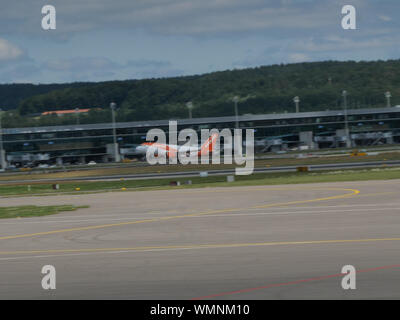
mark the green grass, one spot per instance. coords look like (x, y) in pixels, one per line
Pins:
(34, 211)
(129, 169)
(276, 178)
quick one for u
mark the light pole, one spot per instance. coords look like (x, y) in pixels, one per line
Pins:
(388, 95)
(296, 101)
(346, 120)
(2, 153)
(113, 106)
(235, 101)
(189, 105)
(77, 115)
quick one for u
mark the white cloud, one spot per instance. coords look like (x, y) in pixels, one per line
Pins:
(173, 17)
(103, 69)
(334, 43)
(8, 51)
(79, 64)
(385, 18)
(298, 57)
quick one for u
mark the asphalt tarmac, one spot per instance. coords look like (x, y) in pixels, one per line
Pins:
(256, 242)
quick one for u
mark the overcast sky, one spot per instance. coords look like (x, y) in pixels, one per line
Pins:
(98, 40)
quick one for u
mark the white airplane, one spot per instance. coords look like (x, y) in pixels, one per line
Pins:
(172, 150)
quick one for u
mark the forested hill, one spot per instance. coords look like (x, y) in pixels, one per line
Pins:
(11, 95)
(262, 90)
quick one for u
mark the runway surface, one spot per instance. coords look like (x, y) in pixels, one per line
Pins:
(256, 242)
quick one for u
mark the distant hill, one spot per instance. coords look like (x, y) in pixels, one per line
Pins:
(11, 95)
(264, 89)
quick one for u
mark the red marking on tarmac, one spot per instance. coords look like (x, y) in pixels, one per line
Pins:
(292, 282)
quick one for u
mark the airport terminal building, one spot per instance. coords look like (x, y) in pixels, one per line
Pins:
(273, 132)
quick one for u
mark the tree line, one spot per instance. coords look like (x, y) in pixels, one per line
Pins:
(265, 89)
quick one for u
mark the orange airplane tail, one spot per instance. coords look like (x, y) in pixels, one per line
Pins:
(209, 145)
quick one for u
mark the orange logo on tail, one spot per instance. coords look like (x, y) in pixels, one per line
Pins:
(209, 145)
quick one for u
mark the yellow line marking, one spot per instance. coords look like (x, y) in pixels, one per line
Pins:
(376, 194)
(353, 193)
(247, 188)
(196, 246)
